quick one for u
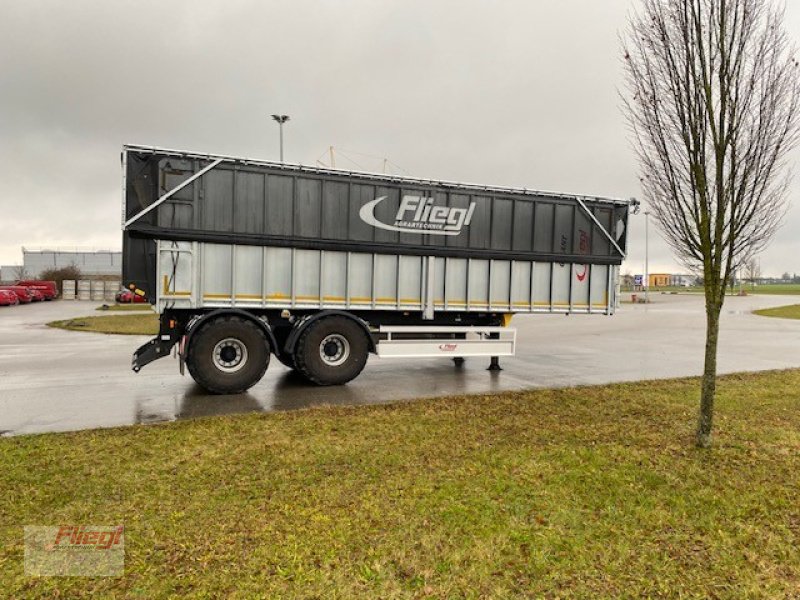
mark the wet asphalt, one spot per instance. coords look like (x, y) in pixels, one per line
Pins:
(55, 380)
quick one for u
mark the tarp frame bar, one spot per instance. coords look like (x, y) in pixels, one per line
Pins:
(605, 232)
(171, 193)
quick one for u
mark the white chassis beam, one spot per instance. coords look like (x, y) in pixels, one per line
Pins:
(438, 342)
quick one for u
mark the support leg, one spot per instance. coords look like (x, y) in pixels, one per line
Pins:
(494, 364)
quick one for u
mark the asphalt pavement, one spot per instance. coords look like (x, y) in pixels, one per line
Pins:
(55, 380)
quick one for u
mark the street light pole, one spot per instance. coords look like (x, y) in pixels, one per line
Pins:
(281, 119)
(647, 257)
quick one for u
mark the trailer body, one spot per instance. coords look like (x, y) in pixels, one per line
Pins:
(287, 245)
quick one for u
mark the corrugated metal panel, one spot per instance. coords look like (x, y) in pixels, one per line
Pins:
(206, 275)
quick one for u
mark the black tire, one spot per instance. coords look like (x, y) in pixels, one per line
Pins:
(345, 345)
(228, 355)
(281, 335)
(286, 360)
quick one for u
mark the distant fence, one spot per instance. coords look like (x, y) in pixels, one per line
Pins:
(91, 289)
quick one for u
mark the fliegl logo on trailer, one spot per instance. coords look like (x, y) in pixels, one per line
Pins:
(417, 214)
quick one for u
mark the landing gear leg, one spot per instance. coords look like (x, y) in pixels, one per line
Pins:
(494, 364)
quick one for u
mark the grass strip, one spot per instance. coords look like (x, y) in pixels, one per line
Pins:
(132, 324)
(781, 312)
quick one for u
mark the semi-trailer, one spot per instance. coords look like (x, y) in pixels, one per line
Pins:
(244, 259)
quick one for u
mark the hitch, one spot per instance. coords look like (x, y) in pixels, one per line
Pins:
(152, 350)
(169, 334)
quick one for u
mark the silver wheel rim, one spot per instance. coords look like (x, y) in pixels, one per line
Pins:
(334, 349)
(230, 355)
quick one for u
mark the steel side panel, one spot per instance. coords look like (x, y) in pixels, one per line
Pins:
(205, 275)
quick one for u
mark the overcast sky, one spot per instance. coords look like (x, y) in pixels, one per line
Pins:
(521, 93)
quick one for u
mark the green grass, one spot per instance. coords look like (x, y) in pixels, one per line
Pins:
(125, 307)
(683, 290)
(587, 492)
(781, 312)
(135, 324)
(694, 290)
(776, 289)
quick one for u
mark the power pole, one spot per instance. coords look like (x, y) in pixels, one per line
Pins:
(647, 257)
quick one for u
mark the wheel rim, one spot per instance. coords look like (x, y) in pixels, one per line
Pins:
(334, 350)
(230, 355)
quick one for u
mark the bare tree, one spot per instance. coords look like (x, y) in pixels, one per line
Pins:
(61, 274)
(712, 104)
(752, 270)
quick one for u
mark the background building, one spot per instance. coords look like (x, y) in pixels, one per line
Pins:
(659, 280)
(9, 273)
(91, 262)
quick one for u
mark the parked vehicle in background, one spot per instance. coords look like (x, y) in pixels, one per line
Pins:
(129, 297)
(22, 293)
(49, 289)
(36, 295)
(321, 267)
(8, 298)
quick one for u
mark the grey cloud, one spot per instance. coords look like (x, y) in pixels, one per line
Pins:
(514, 93)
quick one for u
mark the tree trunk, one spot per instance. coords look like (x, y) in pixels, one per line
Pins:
(709, 387)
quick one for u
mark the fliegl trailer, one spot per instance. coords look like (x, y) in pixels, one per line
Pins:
(245, 259)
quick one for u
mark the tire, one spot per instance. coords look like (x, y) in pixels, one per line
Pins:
(281, 334)
(286, 360)
(332, 351)
(228, 355)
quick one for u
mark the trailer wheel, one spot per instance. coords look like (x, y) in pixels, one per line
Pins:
(229, 355)
(331, 351)
(286, 360)
(281, 334)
